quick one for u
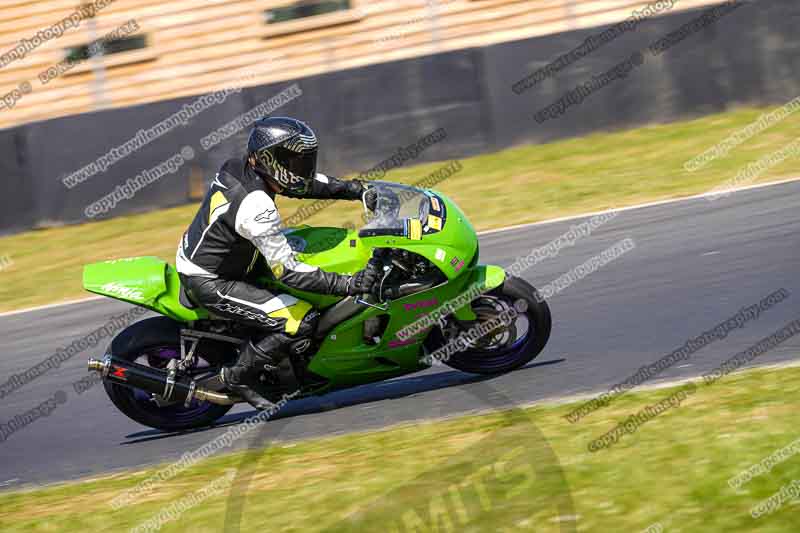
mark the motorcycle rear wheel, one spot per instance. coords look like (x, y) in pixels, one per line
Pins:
(153, 342)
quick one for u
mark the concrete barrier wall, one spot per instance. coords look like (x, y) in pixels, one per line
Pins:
(365, 115)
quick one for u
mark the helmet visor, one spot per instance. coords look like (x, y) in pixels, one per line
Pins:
(299, 164)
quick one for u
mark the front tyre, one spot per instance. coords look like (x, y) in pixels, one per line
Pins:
(521, 335)
(153, 342)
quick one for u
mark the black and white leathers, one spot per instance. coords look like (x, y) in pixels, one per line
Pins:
(239, 218)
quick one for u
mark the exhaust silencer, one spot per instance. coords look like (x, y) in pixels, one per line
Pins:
(165, 384)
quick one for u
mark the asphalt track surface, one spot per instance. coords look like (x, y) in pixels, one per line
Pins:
(696, 263)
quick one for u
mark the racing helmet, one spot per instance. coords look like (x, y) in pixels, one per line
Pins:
(284, 150)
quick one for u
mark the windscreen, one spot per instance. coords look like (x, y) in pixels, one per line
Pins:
(395, 206)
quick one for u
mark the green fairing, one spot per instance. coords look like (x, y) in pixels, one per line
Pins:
(327, 248)
(145, 281)
(344, 359)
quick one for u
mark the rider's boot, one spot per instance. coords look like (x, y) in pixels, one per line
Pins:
(245, 377)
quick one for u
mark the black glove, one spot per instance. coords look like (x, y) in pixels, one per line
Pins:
(363, 282)
(356, 188)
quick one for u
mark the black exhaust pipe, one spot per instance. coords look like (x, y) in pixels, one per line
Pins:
(167, 385)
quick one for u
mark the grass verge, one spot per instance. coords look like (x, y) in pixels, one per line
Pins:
(524, 184)
(508, 471)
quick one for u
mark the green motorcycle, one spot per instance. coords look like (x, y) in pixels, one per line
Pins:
(436, 304)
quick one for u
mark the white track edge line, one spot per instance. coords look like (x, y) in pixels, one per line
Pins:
(50, 306)
(485, 232)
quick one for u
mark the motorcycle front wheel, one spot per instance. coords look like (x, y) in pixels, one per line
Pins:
(515, 322)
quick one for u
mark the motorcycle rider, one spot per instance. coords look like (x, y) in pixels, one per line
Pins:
(237, 221)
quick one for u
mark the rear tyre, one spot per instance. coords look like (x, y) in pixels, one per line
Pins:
(508, 347)
(153, 342)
